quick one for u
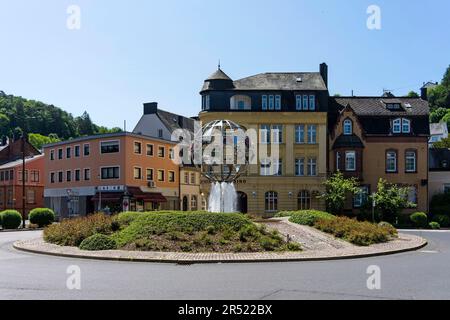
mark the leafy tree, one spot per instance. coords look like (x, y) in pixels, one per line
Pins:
(4, 125)
(390, 199)
(38, 140)
(437, 115)
(413, 94)
(443, 144)
(337, 188)
(439, 96)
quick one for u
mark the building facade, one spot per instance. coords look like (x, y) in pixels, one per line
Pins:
(112, 172)
(286, 109)
(439, 172)
(381, 137)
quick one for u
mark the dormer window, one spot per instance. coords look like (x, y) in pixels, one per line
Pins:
(241, 102)
(348, 127)
(401, 126)
(393, 106)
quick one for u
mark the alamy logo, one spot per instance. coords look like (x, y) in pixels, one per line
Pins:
(374, 281)
(74, 19)
(73, 282)
(374, 19)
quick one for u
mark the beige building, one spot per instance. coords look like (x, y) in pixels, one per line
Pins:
(190, 196)
(439, 176)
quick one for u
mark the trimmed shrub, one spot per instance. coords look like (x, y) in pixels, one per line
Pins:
(420, 219)
(358, 233)
(435, 225)
(42, 217)
(98, 242)
(11, 219)
(73, 232)
(310, 217)
(444, 221)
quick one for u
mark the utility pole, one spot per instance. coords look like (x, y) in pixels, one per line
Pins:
(23, 181)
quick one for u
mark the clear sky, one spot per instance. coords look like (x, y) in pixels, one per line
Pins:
(135, 51)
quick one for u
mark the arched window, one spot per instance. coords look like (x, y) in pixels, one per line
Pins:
(304, 200)
(271, 201)
(240, 102)
(194, 203)
(397, 126)
(348, 127)
(406, 126)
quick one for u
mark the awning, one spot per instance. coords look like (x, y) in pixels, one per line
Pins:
(137, 193)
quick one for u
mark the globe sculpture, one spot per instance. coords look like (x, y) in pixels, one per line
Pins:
(225, 157)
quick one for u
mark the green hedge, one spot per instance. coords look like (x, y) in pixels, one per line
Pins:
(42, 217)
(11, 219)
(420, 219)
(309, 217)
(98, 242)
(443, 220)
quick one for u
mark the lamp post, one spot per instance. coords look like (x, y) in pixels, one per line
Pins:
(374, 204)
(23, 181)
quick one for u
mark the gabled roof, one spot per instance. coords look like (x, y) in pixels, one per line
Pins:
(174, 121)
(376, 106)
(18, 162)
(282, 81)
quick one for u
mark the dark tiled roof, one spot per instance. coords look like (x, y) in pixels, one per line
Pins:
(282, 81)
(344, 141)
(218, 75)
(376, 106)
(174, 121)
(382, 125)
(439, 159)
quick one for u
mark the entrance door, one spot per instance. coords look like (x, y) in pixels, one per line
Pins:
(242, 204)
(185, 203)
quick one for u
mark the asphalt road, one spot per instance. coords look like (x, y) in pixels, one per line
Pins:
(416, 275)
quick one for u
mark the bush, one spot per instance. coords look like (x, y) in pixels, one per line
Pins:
(419, 219)
(444, 221)
(73, 232)
(283, 214)
(388, 227)
(11, 219)
(435, 225)
(42, 217)
(98, 242)
(309, 217)
(440, 204)
(358, 233)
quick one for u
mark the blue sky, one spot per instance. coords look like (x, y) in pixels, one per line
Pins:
(135, 51)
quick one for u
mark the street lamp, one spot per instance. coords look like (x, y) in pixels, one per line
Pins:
(374, 204)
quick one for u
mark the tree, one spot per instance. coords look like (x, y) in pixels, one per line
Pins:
(443, 144)
(390, 199)
(38, 140)
(84, 125)
(337, 188)
(437, 115)
(413, 94)
(4, 125)
(439, 96)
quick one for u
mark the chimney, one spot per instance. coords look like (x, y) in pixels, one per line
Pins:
(150, 107)
(424, 93)
(324, 73)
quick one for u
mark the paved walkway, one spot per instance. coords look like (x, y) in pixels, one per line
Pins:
(317, 246)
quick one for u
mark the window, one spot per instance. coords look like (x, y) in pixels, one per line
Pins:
(312, 102)
(412, 195)
(68, 152)
(86, 150)
(31, 196)
(350, 161)
(60, 176)
(240, 102)
(161, 175)
(60, 154)
(160, 133)
(207, 102)
(271, 102)
(137, 173)
(171, 154)
(20, 176)
(266, 167)
(397, 126)
(264, 102)
(186, 178)
(406, 126)
(193, 180)
(68, 176)
(279, 168)
(149, 174)
(137, 148)
(171, 176)
(304, 200)
(77, 151)
(77, 175)
(361, 197)
(312, 134)
(298, 102)
(410, 161)
(312, 167)
(109, 173)
(277, 134)
(52, 155)
(348, 127)
(194, 203)
(300, 167)
(150, 150)
(401, 126)
(278, 102)
(391, 161)
(52, 177)
(265, 134)
(271, 203)
(87, 174)
(161, 152)
(300, 134)
(109, 147)
(338, 161)
(34, 176)
(305, 102)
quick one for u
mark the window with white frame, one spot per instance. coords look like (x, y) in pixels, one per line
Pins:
(397, 126)
(298, 102)
(264, 102)
(312, 102)
(361, 197)
(350, 161)
(300, 134)
(271, 102)
(338, 161)
(348, 127)
(266, 167)
(305, 102)
(312, 134)
(406, 126)
(265, 133)
(300, 167)
(411, 161)
(277, 102)
(391, 161)
(401, 125)
(312, 167)
(304, 200)
(271, 201)
(277, 134)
